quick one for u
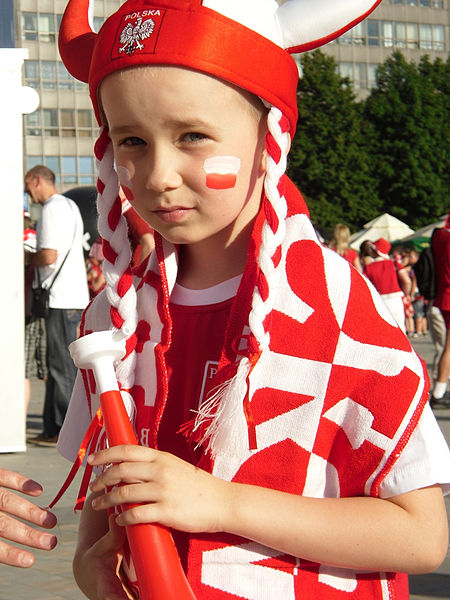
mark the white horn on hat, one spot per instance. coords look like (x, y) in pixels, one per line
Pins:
(296, 25)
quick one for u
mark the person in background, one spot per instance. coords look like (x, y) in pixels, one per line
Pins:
(382, 273)
(440, 244)
(35, 343)
(417, 299)
(339, 243)
(17, 514)
(59, 243)
(367, 253)
(94, 272)
(406, 280)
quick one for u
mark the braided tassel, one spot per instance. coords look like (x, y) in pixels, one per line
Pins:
(228, 411)
(113, 228)
(274, 228)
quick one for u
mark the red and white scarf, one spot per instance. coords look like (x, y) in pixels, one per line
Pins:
(324, 411)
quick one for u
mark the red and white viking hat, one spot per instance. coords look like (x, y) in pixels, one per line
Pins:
(246, 42)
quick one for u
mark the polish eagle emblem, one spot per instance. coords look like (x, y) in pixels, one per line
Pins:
(132, 35)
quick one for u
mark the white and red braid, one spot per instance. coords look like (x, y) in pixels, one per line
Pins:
(113, 228)
(228, 411)
(274, 227)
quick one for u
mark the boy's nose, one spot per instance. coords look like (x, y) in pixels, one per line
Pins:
(163, 173)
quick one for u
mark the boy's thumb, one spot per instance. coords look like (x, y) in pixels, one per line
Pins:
(117, 534)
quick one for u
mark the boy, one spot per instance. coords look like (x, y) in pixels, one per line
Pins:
(310, 478)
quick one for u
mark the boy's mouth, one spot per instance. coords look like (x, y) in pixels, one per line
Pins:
(172, 214)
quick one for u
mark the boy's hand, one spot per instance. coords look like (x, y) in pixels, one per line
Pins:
(97, 571)
(170, 491)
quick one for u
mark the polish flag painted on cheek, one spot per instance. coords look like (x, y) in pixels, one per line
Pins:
(221, 172)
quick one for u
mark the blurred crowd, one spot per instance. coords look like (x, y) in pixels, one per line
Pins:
(392, 271)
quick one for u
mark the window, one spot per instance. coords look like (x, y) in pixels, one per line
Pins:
(48, 74)
(29, 26)
(52, 162)
(372, 32)
(32, 161)
(50, 116)
(65, 79)
(426, 37)
(355, 36)
(67, 120)
(84, 123)
(371, 75)
(359, 74)
(400, 35)
(47, 30)
(33, 123)
(69, 169)
(412, 35)
(346, 70)
(423, 3)
(387, 34)
(32, 73)
(86, 170)
(396, 34)
(438, 37)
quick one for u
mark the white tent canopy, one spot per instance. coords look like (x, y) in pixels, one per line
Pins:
(385, 226)
(428, 229)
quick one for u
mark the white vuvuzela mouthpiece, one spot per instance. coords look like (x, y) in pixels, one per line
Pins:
(99, 351)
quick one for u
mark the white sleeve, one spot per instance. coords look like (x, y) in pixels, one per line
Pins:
(76, 422)
(425, 460)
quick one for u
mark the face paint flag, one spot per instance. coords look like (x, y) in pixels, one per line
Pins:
(221, 172)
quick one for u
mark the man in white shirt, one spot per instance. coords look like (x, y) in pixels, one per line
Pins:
(60, 264)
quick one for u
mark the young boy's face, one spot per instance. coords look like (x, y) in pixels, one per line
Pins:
(188, 149)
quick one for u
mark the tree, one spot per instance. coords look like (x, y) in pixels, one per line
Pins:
(329, 160)
(409, 112)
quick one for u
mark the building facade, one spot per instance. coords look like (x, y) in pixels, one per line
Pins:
(62, 131)
(415, 27)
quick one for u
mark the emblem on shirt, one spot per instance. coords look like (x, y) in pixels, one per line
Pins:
(132, 35)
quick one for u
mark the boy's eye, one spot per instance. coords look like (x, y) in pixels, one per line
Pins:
(131, 141)
(192, 137)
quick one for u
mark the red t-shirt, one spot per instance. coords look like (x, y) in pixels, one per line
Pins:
(440, 244)
(197, 339)
(383, 275)
(350, 256)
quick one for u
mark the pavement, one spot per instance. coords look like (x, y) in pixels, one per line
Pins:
(51, 576)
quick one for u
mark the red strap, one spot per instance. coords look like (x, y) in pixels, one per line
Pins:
(89, 441)
(251, 426)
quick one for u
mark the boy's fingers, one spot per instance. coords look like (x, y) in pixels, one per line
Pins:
(137, 472)
(115, 454)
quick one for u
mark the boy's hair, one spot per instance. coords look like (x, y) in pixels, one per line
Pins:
(244, 42)
(42, 171)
